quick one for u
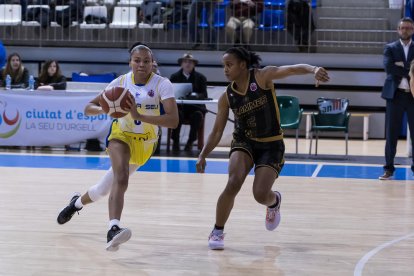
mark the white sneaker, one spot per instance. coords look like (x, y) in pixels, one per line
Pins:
(273, 214)
(216, 241)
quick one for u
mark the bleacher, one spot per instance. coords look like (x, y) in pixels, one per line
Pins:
(341, 26)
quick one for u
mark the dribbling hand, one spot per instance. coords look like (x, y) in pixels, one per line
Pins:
(131, 103)
(201, 165)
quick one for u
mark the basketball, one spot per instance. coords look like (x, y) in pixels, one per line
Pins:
(114, 101)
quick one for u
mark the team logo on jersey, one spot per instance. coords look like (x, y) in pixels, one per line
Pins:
(151, 93)
(10, 120)
(253, 86)
(137, 94)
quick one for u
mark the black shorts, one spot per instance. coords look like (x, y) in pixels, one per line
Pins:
(269, 154)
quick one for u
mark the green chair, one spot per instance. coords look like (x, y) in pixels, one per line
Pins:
(290, 114)
(332, 116)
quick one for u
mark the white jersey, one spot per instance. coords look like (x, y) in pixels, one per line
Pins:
(148, 98)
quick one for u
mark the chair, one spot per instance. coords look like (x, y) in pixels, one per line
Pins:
(219, 19)
(124, 18)
(275, 3)
(129, 3)
(180, 91)
(332, 116)
(32, 21)
(290, 114)
(98, 13)
(272, 20)
(219, 16)
(204, 18)
(10, 15)
(200, 135)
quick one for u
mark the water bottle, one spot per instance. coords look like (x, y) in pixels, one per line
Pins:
(8, 82)
(31, 83)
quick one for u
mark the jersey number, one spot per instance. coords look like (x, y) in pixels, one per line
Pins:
(137, 123)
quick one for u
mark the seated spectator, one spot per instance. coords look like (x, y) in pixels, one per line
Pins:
(192, 113)
(65, 17)
(39, 14)
(150, 11)
(18, 73)
(243, 16)
(50, 77)
(299, 12)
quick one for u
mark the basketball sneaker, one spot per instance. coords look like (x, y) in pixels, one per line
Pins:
(216, 241)
(67, 213)
(116, 236)
(273, 214)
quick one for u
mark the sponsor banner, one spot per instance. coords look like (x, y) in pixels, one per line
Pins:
(48, 119)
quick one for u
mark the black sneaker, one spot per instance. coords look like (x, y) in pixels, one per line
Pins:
(116, 236)
(66, 214)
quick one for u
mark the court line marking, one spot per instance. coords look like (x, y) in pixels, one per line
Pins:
(361, 263)
(106, 156)
(316, 171)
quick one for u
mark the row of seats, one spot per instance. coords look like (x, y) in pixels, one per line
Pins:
(126, 16)
(123, 17)
(332, 115)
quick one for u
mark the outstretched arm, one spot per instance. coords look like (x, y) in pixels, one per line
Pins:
(216, 132)
(270, 73)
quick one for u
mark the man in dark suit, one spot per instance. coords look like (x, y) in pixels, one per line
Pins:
(396, 91)
(194, 114)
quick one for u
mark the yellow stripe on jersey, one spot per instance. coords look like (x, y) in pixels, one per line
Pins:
(268, 139)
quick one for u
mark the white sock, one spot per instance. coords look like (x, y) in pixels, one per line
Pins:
(78, 203)
(113, 222)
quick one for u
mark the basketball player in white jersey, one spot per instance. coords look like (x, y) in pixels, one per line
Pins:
(131, 141)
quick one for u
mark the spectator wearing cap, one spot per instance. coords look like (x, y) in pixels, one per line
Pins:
(193, 114)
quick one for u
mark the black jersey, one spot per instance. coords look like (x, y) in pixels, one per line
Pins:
(256, 113)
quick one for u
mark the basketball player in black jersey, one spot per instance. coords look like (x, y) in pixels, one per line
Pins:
(257, 137)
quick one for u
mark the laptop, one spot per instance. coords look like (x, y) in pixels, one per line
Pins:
(182, 90)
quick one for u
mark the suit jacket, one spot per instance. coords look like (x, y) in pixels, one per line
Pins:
(394, 52)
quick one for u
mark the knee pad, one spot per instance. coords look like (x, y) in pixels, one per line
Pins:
(103, 187)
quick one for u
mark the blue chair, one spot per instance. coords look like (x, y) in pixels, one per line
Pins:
(275, 3)
(204, 19)
(314, 3)
(104, 78)
(219, 18)
(272, 20)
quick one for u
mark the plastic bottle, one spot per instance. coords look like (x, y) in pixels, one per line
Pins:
(8, 82)
(31, 83)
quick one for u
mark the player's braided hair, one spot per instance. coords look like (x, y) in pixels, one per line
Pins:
(251, 58)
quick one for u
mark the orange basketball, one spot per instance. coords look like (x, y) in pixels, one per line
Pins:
(114, 101)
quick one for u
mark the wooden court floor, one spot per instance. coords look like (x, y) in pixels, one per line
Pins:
(329, 226)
